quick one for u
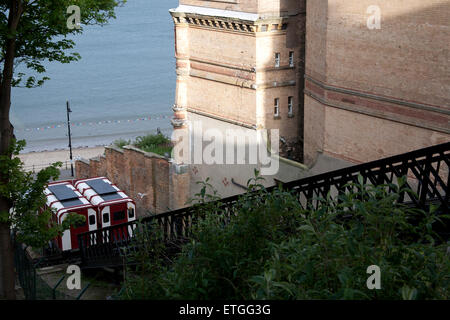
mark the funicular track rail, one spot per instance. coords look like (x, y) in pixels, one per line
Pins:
(427, 172)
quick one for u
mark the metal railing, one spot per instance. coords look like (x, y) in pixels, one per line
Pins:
(36, 167)
(102, 247)
(32, 283)
(26, 271)
(427, 172)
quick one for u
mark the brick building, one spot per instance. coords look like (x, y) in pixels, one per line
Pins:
(356, 94)
(242, 62)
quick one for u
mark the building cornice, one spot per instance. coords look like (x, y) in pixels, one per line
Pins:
(211, 12)
(227, 20)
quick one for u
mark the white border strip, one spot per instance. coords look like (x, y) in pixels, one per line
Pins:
(216, 12)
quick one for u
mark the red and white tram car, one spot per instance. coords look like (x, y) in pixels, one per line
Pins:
(113, 205)
(64, 198)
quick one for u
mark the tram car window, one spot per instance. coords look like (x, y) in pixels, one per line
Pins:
(130, 213)
(119, 215)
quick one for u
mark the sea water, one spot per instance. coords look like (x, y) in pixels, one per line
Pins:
(123, 87)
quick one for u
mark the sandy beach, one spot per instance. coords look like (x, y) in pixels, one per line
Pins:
(39, 160)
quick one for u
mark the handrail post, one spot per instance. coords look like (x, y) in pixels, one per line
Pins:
(425, 181)
(447, 189)
(81, 247)
(56, 286)
(83, 291)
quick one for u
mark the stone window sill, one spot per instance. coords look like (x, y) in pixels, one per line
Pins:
(285, 67)
(290, 115)
(277, 117)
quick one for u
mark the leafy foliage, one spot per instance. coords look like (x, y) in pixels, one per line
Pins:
(33, 226)
(42, 33)
(148, 260)
(271, 248)
(120, 143)
(156, 143)
(329, 256)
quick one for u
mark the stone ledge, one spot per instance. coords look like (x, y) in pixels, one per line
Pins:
(275, 84)
(115, 148)
(145, 153)
(227, 20)
(181, 168)
(221, 118)
(85, 161)
(272, 69)
(97, 158)
(231, 80)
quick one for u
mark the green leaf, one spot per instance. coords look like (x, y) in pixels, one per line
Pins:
(409, 293)
(306, 228)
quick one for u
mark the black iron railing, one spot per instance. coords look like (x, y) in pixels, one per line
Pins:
(427, 172)
(101, 248)
(26, 271)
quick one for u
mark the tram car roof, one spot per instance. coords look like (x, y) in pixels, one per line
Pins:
(101, 191)
(64, 197)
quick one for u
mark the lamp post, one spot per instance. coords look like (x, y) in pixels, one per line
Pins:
(70, 137)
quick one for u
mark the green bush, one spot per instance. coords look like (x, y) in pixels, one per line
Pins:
(328, 259)
(274, 249)
(121, 143)
(158, 143)
(146, 263)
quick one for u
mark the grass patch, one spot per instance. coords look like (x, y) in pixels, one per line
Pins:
(121, 143)
(156, 143)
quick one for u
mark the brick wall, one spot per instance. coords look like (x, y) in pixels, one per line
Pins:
(375, 93)
(151, 180)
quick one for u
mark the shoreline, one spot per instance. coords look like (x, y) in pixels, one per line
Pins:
(37, 160)
(54, 141)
